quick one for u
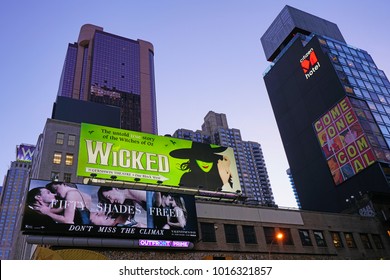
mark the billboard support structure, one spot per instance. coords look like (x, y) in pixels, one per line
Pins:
(199, 193)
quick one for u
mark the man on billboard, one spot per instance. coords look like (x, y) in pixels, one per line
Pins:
(69, 206)
(115, 200)
(40, 196)
(102, 218)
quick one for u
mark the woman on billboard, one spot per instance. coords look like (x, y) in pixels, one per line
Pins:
(169, 211)
(118, 200)
(102, 218)
(179, 219)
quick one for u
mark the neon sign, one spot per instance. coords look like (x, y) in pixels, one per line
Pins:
(163, 243)
(24, 152)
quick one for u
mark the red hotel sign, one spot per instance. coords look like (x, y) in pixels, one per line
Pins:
(309, 63)
(343, 142)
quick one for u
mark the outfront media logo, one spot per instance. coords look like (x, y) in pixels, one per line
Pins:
(309, 63)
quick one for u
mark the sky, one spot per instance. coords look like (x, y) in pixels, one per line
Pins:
(208, 57)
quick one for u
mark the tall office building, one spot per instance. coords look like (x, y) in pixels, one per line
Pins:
(105, 68)
(12, 200)
(332, 107)
(294, 189)
(249, 156)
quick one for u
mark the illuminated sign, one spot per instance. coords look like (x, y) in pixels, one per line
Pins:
(154, 159)
(343, 143)
(309, 63)
(163, 243)
(59, 208)
(24, 152)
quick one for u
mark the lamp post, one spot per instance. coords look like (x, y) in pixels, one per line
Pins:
(278, 237)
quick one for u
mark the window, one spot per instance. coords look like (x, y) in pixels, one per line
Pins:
(269, 233)
(287, 238)
(69, 159)
(349, 240)
(60, 138)
(68, 177)
(71, 140)
(249, 234)
(57, 158)
(336, 239)
(319, 237)
(305, 237)
(54, 176)
(377, 241)
(366, 241)
(231, 233)
(208, 232)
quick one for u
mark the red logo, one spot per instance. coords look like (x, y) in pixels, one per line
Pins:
(309, 62)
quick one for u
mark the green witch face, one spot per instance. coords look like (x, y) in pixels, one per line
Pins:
(204, 165)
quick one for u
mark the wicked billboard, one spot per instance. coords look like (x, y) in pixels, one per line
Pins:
(60, 208)
(127, 155)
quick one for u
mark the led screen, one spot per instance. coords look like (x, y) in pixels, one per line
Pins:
(344, 145)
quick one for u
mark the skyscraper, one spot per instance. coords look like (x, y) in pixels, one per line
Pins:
(249, 156)
(294, 189)
(105, 68)
(332, 107)
(14, 189)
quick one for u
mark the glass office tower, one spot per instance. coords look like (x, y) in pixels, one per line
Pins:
(332, 107)
(112, 70)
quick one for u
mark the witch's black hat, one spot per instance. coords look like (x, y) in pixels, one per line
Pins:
(198, 151)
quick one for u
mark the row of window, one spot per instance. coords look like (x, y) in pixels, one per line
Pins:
(60, 139)
(57, 158)
(55, 176)
(22, 165)
(124, 55)
(231, 236)
(354, 57)
(361, 78)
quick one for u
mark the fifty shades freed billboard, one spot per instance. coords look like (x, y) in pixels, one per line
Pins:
(344, 145)
(128, 155)
(60, 208)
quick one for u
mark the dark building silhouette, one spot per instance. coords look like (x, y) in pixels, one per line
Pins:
(332, 107)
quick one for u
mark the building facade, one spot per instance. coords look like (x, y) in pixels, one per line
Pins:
(105, 68)
(331, 104)
(242, 232)
(56, 153)
(12, 199)
(251, 167)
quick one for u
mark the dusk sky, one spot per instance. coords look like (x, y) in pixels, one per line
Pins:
(208, 57)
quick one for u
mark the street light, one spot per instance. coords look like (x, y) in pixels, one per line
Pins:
(278, 237)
